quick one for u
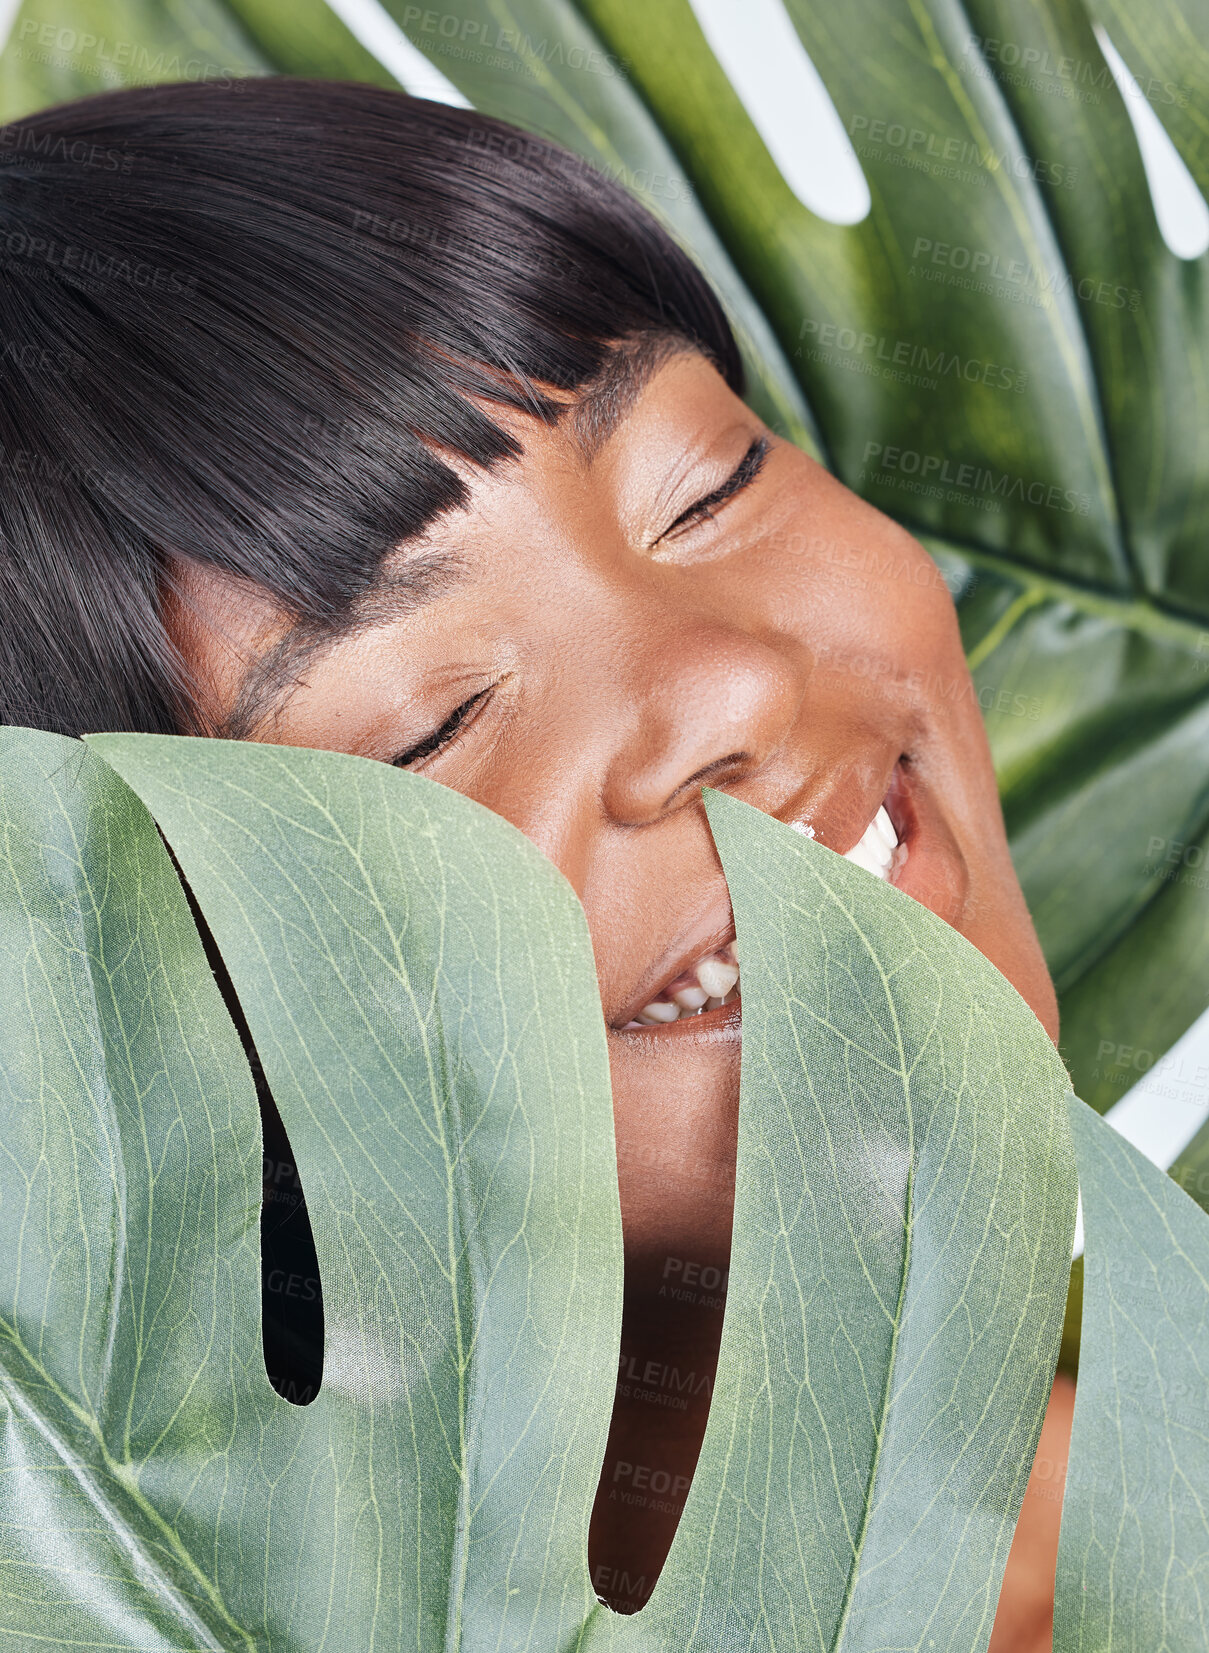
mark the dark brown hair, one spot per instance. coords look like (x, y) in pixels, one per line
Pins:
(239, 322)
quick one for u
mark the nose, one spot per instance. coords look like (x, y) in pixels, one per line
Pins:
(710, 704)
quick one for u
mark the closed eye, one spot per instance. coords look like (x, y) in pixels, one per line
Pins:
(746, 471)
(442, 737)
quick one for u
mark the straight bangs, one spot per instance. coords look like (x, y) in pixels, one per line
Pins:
(242, 323)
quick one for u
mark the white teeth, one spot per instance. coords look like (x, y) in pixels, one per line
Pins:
(875, 849)
(658, 1011)
(863, 856)
(717, 976)
(711, 982)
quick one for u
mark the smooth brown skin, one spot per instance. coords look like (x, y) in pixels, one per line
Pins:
(795, 648)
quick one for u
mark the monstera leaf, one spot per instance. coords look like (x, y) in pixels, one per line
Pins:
(420, 987)
(1133, 1561)
(419, 984)
(1004, 355)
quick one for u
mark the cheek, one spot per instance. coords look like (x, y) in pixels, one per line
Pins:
(1000, 927)
(839, 572)
(875, 606)
(904, 601)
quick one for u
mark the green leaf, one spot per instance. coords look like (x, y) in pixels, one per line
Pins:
(58, 52)
(421, 987)
(1164, 47)
(872, 278)
(1191, 1169)
(914, 1195)
(1133, 1560)
(904, 1200)
(1098, 714)
(129, 1202)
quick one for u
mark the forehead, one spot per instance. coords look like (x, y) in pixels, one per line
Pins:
(243, 651)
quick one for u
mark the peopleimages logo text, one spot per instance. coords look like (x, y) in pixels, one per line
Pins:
(992, 266)
(977, 483)
(82, 46)
(907, 353)
(49, 146)
(83, 264)
(469, 37)
(923, 145)
(1083, 74)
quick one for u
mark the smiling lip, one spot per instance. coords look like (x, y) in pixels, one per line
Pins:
(712, 936)
(700, 990)
(709, 983)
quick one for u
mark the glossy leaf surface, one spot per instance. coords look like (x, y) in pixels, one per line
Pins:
(420, 987)
(445, 1090)
(1133, 1561)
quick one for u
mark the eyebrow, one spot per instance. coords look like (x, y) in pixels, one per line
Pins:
(278, 673)
(605, 399)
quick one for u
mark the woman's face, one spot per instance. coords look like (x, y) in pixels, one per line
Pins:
(613, 641)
